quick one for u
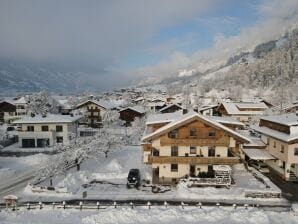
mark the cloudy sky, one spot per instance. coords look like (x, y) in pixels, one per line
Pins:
(135, 39)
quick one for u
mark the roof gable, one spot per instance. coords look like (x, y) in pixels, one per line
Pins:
(189, 119)
(103, 104)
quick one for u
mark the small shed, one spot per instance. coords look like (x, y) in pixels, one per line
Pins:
(10, 200)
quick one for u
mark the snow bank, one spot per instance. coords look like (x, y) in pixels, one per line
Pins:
(155, 215)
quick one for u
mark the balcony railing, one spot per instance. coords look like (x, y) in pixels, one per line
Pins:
(193, 160)
(194, 141)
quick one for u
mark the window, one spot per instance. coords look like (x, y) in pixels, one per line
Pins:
(295, 151)
(274, 144)
(174, 167)
(282, 148)
(44, 128)
(59, 139)
(174, 151)
(30, 128)
(192, 132)
(173, 134)
(59, 128)
(211, 133)
(193, 150)
(211, 151)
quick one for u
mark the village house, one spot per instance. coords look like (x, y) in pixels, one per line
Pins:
(21, 106)
(242, 111)
(170, 108)
(7, 112)
(280, 134)
(12, 109)
(208, 110)
(130, 113)
(188, 145)
(93, 111)
(63, 105)
(293, 108)
(46, 130)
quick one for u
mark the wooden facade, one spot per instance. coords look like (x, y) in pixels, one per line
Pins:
(275, 126)
(128, 115)
(196, 143)
(6, 109)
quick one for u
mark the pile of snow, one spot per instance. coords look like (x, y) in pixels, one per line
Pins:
(154, 215)
(74, 181)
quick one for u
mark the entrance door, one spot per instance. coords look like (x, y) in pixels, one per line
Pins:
(192, 170)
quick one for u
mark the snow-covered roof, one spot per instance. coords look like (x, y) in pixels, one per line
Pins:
(222, 168)
(155, 104)
(138, 109)
(21, 100)
(50, 118)
(169, 106)
(235, 108)
(101, 103)
(170, 117)
(226, 120)
(165, 118)
(10, 197)
(276, 134)
(258, 154)
(189, 118)
(255, 142)
(207, 107)
(285, 119)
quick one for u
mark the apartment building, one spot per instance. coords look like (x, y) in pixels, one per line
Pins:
(242, 111)
(188, 144)
(43, 131)
(280, 134)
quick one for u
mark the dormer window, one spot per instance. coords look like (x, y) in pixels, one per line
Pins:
(173, 134)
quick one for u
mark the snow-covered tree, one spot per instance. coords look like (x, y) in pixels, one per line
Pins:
(40, 103)
(110, 117)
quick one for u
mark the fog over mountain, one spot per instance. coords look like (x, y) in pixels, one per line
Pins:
(73, 46)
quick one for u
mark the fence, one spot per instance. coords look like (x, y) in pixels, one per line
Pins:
(97, 205)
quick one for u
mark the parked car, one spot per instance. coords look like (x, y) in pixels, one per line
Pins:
(134, 178)
(260, 166)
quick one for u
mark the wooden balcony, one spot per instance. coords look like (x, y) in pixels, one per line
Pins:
(193, 160)
(195, 141)
(147, 147)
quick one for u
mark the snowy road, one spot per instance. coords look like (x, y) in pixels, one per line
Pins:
(16, 183)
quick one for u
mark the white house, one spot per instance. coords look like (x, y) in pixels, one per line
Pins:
(41, 131)
(280, 134)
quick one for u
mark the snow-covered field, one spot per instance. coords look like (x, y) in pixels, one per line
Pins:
(154, 215)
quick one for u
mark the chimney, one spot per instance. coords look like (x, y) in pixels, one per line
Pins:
(184, 111)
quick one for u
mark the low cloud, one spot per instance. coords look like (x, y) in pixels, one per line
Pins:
(275, 18)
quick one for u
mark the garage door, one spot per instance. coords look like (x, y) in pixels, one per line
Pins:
(28, 143)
